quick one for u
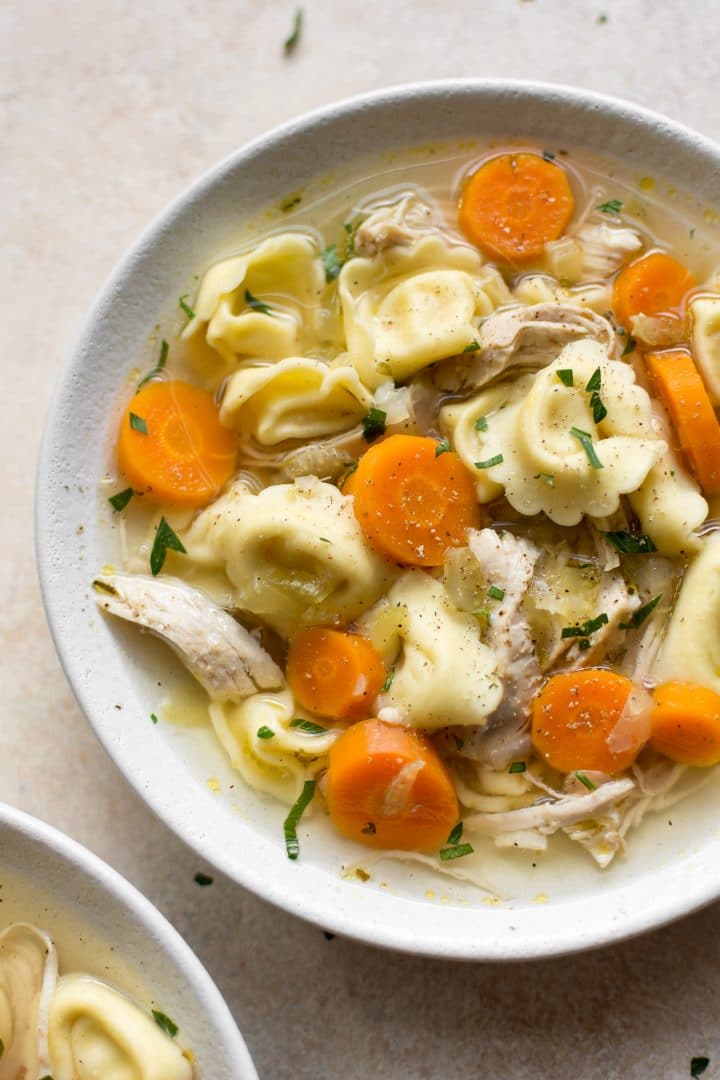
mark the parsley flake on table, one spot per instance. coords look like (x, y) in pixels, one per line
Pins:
(291, 41)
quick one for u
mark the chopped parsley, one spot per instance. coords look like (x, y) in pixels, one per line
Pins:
(120, 500)
(265, 732)
(138, 424)
(497, 460)
(182, 303)
(517, 766)
(456, 852)
(165, 1023)
(330, 261)
(482, 613)
(698, 1065)
(495, 593)
(443, 447)
(594, 381)
(292, 846)
(638, 617)
(547, 477)
(162, 361)
(351, 467)
(293, 37)
(601, 20)
(585, 440)
(2, 1048)
(369, 829)
(593, 388)
(583, 630)
(389, 681)
(308, 727)
(565, 375)
(630, 346)
(612, 206)
(628, 543)
(374, 424)
(472, 346)
(258, 305)
(455, 834)
(481, 423)
(165, 540)
(586, 781)
(290, 203)
(153, 717)
(548, 155)
(203, 879)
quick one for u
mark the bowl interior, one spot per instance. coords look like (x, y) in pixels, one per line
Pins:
(545, 906)
(102, 926)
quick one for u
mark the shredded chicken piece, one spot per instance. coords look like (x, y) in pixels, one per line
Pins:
(524, 337)
(222, 655)
(658, 331)
(548, 817)
(388, 226)
(605, 248)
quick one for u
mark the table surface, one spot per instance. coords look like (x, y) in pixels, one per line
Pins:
(106, 112)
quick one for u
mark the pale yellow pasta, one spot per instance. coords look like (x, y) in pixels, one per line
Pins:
(691, 648)
(704, 315)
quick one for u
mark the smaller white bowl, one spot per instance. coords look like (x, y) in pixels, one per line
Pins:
(117, 935)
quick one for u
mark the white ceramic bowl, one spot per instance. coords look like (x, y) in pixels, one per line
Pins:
(553, 907)
(110, 930)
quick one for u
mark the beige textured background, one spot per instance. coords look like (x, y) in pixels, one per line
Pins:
(107, 110)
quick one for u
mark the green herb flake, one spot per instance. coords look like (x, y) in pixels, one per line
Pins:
(330, 261)
(628, 543)
(481, 423)
(482, 613)
(497, 460)
(153, 717)
(638, 617)
(585, 629)
(630, 346)
(374, 424)
(325, 540)
(351, 468)
(138, 424)
(586, 781)
(495, 593)
(292, 845)
(162, 361)
(182, 303)
(443, 447)
(517, 767)
(601, 20)
(548, 155)
(389, 681)
(290, 203)
(120, 500)
(308, 727)
(165, 540)
(369, 829)
(291, 41)
(455, 834)
(698, 1065)
(165, 1023)
(692, 237)
(258, 305)
(547, 477)
(2, 1048)
(203, 880)
(456, 852)
(594, 381)
(598, 408)
(472, 346)
(565, 375)
(265, 732)
(612, 206)
(585, 440)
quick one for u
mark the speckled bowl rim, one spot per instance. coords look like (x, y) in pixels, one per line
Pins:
(143, 920)
(377, 918)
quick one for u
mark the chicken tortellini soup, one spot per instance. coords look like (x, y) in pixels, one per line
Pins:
(71, 1026)
(420, 490)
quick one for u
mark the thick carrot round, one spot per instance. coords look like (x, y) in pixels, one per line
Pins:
(686, 723)
(172, 446)
(656, 284)
(514, 204)
(679, 386)
(334, 674)
(388, 788)
(573, 716)
(411, 502)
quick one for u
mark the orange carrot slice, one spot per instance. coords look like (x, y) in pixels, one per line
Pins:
(172, 446)
(686, 723)
(656, 284)
(678, 384)
(514, 204)
(573, 716)
(334, 674)
(388, 788)
(411, 502)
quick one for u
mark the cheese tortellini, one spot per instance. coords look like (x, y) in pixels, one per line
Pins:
(537, 439)
(296, 399)
(294, 554)
(704, 314)
(443, 673)
(409, 306)
(261, 304)
(690, 651)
